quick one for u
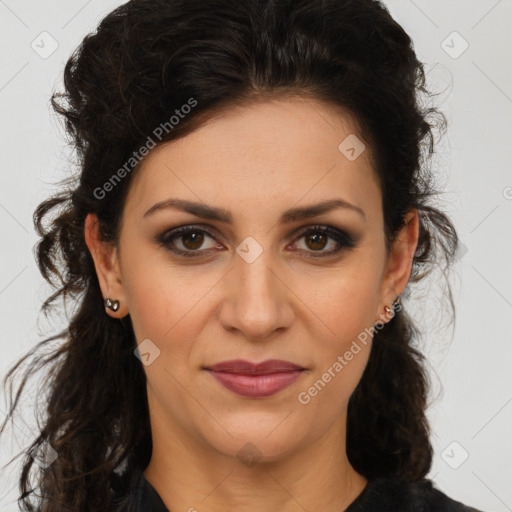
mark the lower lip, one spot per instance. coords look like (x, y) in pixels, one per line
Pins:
(256, 386)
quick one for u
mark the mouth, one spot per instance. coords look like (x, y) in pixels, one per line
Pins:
(256, 380)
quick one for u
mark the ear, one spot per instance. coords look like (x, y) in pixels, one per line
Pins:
(107, 266)
(399, 263)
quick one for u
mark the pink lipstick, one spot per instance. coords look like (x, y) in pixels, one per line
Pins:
(256, 380)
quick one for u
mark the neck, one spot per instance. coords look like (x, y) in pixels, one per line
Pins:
(198, 478)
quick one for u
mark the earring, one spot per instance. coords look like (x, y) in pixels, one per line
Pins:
(394, 304)
(111, 304)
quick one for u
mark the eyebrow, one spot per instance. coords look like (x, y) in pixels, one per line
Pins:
(209, 212)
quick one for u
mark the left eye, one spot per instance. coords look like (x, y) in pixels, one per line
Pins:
(316, 240)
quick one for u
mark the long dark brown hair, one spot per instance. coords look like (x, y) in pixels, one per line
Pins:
(146, 60)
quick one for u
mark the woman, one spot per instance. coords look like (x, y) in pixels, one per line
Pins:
(251, 205)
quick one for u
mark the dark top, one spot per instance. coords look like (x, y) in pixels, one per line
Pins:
(379, 495)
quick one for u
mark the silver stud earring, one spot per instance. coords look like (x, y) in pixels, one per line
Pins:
(111, 304)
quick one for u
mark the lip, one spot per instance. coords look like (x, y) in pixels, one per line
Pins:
(256, 380)
(243, 367)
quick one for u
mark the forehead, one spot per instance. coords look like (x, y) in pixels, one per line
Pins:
(278, 151)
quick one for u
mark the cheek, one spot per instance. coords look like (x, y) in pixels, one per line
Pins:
(343, 314)
(147, 301)
(154, 290)
(341, 305)
(167, 307)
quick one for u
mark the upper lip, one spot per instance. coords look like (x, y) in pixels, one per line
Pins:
(247, 368)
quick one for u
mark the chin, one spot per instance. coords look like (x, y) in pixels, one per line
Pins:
(253, 444)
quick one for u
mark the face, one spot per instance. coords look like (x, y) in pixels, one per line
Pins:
(265, 278)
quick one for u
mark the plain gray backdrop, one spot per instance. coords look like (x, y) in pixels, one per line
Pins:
(467, 50)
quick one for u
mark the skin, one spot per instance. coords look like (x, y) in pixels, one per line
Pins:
(256, 161)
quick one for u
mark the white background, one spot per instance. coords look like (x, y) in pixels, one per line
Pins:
(471, 363)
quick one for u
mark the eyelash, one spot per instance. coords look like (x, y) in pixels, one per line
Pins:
(344, 240)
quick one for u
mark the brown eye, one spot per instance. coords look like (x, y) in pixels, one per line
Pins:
(316, 241)
(318, 238)
(187, 241)
(192, 240)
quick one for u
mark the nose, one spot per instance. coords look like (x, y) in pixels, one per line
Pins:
(257, 300)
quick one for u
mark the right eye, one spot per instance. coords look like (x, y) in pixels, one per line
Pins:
(191, 239)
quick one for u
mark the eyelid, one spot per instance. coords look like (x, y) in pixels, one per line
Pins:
(341, 236)
(211, 231)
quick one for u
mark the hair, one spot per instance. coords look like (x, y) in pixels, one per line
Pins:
(147, 60)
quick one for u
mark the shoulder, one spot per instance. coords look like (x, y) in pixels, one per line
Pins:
(133, 493)
(392, 494)
(424, 494)
(380, 495)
